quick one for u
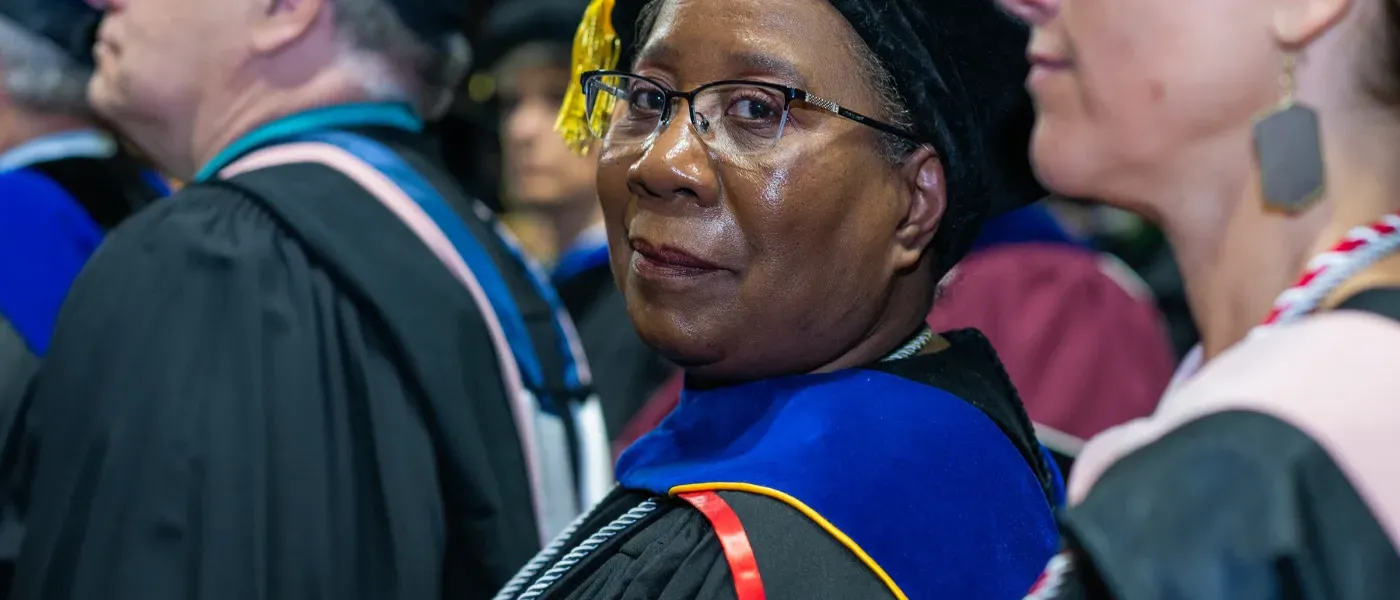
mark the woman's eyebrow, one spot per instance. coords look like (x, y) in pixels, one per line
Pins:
(755, 63)
(745, 63)
(659, 54)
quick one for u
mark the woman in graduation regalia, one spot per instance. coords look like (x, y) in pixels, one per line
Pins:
(783, 183)
(1258, 135)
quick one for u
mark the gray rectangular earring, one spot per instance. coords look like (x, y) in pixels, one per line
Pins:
(1288, 145)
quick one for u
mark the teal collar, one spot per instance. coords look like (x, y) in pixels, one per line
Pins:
(368, 114)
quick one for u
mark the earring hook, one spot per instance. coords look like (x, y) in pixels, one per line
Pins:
(1287, 79)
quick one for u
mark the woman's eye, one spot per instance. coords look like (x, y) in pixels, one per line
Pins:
(647, 99)
(751, 108)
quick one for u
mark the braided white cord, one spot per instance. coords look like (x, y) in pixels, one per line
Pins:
(912, 347)
(542, 558)
(587, 547)
(532, 568)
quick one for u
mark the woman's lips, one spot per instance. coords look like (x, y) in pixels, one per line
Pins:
(659, 261)
(1047, 60)
(1043, 66)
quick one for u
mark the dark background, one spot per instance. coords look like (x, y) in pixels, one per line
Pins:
(468, 134)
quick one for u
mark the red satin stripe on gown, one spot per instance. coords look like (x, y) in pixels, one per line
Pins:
(748, 585)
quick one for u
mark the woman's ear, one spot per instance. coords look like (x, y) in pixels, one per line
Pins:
(1298, 22)
(926, 191)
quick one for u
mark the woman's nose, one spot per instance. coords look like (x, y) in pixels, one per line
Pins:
(1034, 12)
(675, 165)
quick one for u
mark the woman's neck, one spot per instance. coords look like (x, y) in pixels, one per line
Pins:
(1237, 261)
(904, 309)
(1366, 191)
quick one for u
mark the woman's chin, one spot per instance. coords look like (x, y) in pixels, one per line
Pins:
(684, 346)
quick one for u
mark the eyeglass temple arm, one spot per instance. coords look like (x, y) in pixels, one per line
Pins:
(837, 109)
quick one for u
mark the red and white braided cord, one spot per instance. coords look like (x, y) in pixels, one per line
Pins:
(1361, 248)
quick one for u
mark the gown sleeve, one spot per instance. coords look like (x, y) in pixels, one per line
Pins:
(677, 556)
(17, 366)
(1236, 506)
(217, 419)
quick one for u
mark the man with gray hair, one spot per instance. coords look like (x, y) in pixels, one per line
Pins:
(63, 181)
(304, 375)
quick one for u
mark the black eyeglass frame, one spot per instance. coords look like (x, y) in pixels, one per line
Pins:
(789, 93)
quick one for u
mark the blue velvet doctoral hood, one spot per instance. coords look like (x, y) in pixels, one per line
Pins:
(927, 489)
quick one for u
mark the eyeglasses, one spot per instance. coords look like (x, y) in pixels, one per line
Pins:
(733, 117)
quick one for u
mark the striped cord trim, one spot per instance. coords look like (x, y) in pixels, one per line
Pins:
(575, 556)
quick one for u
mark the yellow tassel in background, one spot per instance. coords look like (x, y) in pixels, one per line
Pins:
(596, 46)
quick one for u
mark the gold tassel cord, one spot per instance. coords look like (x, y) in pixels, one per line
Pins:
(596, 47)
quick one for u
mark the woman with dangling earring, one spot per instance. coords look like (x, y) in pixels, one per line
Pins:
(1263, 137)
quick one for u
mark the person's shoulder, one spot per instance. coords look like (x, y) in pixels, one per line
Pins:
(801, 557)
(1350, 342)
(1245, 491)
(36, 213)
(29, 193)
(961, 391)
(1329, 375)
(21, 180)
(893, 425)
(905, 406)
(201, 231)
(205, 216)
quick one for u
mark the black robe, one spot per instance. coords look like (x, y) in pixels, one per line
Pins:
(273, 396)
(658, 547)
(92, 195)
(1235, 505)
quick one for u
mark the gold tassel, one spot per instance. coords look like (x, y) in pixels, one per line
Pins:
(596, 46)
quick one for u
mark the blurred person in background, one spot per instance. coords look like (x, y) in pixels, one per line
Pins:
(524, 51)
(783, 184)
(527, 45)
(1077, 330)
(1262, 135)
(317, 370)
(63, 180)
(1139, 244)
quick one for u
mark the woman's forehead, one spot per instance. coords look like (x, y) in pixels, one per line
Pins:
(797, 42)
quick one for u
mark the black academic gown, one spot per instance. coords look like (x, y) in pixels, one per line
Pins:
(105, 191)
(1236, 505)
(281, 396)
(644, 543)
(626, 371)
